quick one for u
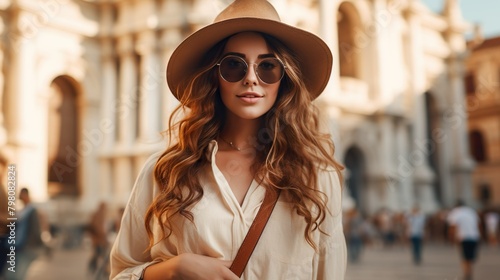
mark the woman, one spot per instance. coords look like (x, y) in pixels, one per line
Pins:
(245, 83)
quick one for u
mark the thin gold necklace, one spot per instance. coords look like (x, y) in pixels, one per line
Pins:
(230, 143)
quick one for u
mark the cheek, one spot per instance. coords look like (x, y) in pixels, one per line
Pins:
(225, 87)
(272, 92)
(225, 90)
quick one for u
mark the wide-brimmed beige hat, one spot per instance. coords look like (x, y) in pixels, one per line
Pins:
(314, 56)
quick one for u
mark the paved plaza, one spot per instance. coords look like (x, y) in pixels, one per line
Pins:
(440, 262)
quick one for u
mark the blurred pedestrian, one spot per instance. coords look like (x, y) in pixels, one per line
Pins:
(491, 219)
(416, 229)
(400, 236)
(385, 220)
(29, 244)
(98, 230)
(355, 234)
(464, 230)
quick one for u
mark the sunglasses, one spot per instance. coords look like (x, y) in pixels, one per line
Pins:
(233, 69)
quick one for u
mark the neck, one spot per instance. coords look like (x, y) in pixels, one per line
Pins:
(240, 133)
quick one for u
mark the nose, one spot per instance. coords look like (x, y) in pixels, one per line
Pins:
(251, 75)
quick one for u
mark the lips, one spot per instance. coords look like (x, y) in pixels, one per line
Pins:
(250, 97)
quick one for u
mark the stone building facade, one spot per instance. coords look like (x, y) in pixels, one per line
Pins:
(84, 96)
(482, 83)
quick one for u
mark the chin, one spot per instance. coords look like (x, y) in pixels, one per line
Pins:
(248, 113)
(250, 117)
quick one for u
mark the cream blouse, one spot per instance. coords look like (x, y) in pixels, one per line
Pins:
(220, 225)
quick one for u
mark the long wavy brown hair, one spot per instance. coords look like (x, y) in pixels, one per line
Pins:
(291, 146)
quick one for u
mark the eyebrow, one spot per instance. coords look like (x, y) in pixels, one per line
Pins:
(242, 55)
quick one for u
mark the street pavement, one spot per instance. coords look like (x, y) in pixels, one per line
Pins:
(440, 262)
(63, 264)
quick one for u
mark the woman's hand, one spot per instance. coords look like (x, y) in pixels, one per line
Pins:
(190, 266)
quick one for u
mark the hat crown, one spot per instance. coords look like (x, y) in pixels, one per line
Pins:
(249, 9)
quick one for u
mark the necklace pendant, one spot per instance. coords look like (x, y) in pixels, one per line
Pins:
(234, 147)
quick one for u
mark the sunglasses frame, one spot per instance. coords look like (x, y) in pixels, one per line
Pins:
(248, 66)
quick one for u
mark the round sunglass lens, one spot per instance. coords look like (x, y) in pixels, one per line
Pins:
(270, 70)
(232, 69)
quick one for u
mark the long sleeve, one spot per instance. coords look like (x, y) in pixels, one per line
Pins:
(331, 260)
(129, 256)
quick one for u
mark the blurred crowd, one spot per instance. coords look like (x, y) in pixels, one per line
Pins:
(35, 237)
(388, 228)
(462, 226)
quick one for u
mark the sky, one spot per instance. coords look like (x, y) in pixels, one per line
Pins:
(484, 12)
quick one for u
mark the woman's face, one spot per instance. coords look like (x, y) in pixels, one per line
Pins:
(249, 98)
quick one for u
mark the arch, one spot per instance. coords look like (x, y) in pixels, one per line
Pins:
(63, 157)
(354, 161)
(477, 146)
(348, 25)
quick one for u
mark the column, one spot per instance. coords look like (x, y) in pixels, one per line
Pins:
(109, 87)
(390, 192)
(126, 118)
(151, 80)
(382, 184)
(329, 112)
(109, 102)
(379, 53)
(404, 178)
(127, 94)
(441, 137)
(423, 177)
(462, 164)
(328, 31)
(109, 99)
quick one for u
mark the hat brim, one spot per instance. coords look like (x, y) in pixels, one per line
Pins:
(314, 55)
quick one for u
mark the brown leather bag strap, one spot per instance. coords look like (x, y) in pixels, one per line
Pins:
(254, 233)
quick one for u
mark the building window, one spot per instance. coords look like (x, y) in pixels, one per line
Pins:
(477, 148)
(470, 83)
(485, 194)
